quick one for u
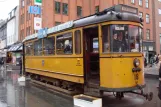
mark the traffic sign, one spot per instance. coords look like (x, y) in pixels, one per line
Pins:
(34, 10)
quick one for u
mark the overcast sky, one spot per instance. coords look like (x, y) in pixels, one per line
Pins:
(6, 6)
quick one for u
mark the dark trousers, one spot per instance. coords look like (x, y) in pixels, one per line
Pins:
(159, 90)
(20, 70)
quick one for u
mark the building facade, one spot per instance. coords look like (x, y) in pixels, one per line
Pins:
(3, 37)
(55, 12)
(157, 23)
(12, 26)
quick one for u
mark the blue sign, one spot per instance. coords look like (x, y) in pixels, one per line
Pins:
(42, 33)
(34, 10)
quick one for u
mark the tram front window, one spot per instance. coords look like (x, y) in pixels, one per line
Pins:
(125, 38)
(119, 38)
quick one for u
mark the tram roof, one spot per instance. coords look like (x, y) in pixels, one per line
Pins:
(116, 13)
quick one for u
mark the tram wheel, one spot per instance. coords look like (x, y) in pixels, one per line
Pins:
(119, 95)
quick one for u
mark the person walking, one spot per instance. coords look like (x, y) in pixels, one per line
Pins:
(159, 88)
(20, 62)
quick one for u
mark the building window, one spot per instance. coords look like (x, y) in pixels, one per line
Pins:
(38, 47)
(28, 31)
(57, 7)
(28, 2)
(22, 19)
(65, 8)
(97, 9)
(160, 38)
(159, 0)
(22, 35)
(28, 16)
(147, 3)
(159, 11)
(77, 35)
(147, 34)
(22, 3)
(147, 18)
(64, 44)
(132, 1)
(79, 11)
(141, 14)
(49, 46)
(159, 24)
(57, 23)
(140, 2)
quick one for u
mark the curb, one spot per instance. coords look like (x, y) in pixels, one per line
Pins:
(154, 76)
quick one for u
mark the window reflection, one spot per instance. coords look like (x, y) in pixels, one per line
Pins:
(49, 46)
(64, 44)
(28, 49)
(119, 38)
(38, 47)
(134, 38)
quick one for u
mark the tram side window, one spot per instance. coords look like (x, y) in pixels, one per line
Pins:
(29, 49)
(64, 44)
(134, 38)
(49, 46)
(119, 38)
(77, 42)
(105, 41)
(38, 47)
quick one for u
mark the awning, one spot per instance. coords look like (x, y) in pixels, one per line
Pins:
(15, 47)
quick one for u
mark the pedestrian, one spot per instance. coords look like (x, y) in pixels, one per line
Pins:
(159, 88)
(157, 59)
(20, 62)
(145, 62)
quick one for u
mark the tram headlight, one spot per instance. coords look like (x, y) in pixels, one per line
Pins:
(136, 62)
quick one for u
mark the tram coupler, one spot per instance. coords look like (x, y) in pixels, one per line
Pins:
(148, 96)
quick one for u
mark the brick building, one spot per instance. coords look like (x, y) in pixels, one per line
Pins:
(157, 24)
(55, 12)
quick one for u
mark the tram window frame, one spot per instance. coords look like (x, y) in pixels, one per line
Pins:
(62, 35)
(38, 50)
(31, 53)
(76, 39)
(53, 44)
(106, 38)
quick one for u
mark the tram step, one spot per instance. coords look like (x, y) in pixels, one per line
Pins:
(92, 92)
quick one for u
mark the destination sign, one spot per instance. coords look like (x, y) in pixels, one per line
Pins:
(129, 9)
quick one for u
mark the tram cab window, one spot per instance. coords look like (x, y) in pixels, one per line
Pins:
(29, 49)
(49, 46)
(77, 35)
(38, 47)
(119, 38)
(95, 45)
(64, 44)
(105, 39)
(134, 38)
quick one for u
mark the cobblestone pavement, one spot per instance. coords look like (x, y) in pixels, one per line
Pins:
(14, 94)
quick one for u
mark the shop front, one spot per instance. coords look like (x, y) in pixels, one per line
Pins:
(14, 54)
(149, 50)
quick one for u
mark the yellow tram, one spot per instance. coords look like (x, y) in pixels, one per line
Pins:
(95, 54)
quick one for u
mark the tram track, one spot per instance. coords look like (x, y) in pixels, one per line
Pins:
(53, 89)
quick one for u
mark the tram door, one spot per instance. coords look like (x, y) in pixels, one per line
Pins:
(91, 56)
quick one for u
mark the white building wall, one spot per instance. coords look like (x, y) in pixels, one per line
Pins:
(11, 32)
(17, 23)
(13, 28)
